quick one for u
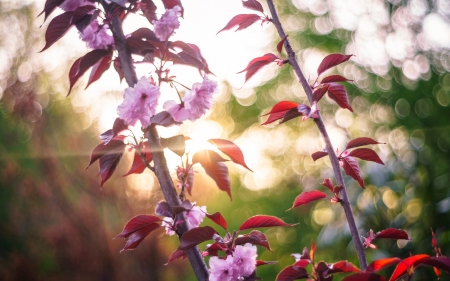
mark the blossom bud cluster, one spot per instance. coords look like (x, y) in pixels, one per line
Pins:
(241, 264)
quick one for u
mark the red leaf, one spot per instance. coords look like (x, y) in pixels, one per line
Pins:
(260, 262)
(318, 154)
(242, 21)
(334, 78)
(257, 63)
(206, 156)
(253, 5)
(279, 111)
(104, 148)
(338, 93)
(291, 114)
(169, 4)
(188, 59)
(138, 165)
(136, 238)
(343, 266)
(81, 65)
(217, 218)
(139, 46)
(280, 44)
(218, 171)
(291, 273)
(319, 92)
(381, 263)
(437, 262)
(49, 7)
(99, 68)
(163, 119)
(231, 150)
(137, 223)
(108, 164)
(57, 28)
(352, 169)
(329, 184)
(366, 154)
(260, 221)
(402, 267)
(366, 276)
(190, 55)
(255, 237)
(360, 142)
(177, 254)
(392, 233)
(330, 61)
(195, 236)
(149, 10)
(307, 197)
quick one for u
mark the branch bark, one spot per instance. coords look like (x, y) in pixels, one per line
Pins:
(320, 125)
(160, 167)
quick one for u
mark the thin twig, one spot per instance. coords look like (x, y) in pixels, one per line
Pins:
(319, 122)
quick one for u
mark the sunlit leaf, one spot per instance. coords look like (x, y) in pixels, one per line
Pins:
(137, 223)
(231, 150)
(138, 165)
(338, 93)
(360, 142)
(279, 110)
(330, 61)
(257, 63)
(177, 144)
(342, 266)
(366, 154)
(99, 68)
(381, 263)
(260, 221)
(253, 5)
(319, 92)
(50, 6)
(149, 10)
(352, 169)
(241, 21)
(217, 218)
(402, 267)
(307, 197)
(177, 254)
(281, 43)
(334, 78)
(392, 233)
(366, 276)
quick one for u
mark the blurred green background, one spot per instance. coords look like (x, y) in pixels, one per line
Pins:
(56, 223)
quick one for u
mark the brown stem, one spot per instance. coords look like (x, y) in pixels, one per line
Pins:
(319, 122)
(160, 164)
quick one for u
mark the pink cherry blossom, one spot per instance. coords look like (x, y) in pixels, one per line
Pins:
(220, 269)
(195, 103)
(72, 5)
(168, 22)
(196, 215)
(96, 37)
(244, 260)
(168, 224)
(139, 103)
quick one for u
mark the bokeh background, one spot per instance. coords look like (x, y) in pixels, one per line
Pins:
(57, 224)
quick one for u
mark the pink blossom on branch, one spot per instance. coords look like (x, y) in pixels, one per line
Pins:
(196, 215)
(221, 269)
(139, 103)
(96, 37)
(72, 5)
(244, 259)
(168, 22)
(195, 103)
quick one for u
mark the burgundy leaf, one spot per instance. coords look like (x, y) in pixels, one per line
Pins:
(137, 237)
(176, 144)
(334, 78)
(119, 126)
(442, 263)
(366, 154)
(186, 205)
(213, 249)
(366, 276)
(231, 150)
(163, 209)
(177, 254)
(306, 197)
(330, 61)
(80, 12)
(279, 111)
(116, 144)
(253, 5)
(169, 4)
(201, 58)
(329, 184)
(149, 10)
(218, 171)
(190, 60)
(381, 263)
(302, 263)
(99, 68)
(57, 28)
(260, 221)
(86, 20)
(360, 142)
(338, 93)
(108, 164)
(304, 109)
(404, 265)
(81, 65)
(319, 92)
(352, 169)
(291, 114)
(260, 262)
(163, 119)
(280, 44)
(242, 21)
(257, 63)
(291, 273)
(139, 46)
(195, 236)
(138, 165)
(49, 7)
(137, 223)
(255, 237)
(149, 36)
(392, 233)
(342, 266)
(217, 218)
(207, 156)
(318, 154)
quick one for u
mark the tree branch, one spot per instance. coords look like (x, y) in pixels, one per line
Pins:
(320, 125)
(160, 167)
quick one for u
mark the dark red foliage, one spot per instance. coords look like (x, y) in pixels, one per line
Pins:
(381, 263)
(231, 150)
(257, 63)
(217, 218)
(365, 276)
(149, 10)
(260, 221)
(50, 6)
(404, 265)
(351, 168)
(338, 93)
(291, 273)
(138, 165)
(280, 44)
(255, 237)
(137, 229)
(279, 111)
(330, 61)
(334, 78)
(177, 254)
(366, 154)
(242, 21)
(195, 236)
(253, 5)
(318, 154)
(360, 142)
(99, 68)
(319, 92)
(392, 233)
(306, 197)
(169, 4)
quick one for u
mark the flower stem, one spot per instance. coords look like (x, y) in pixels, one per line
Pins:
(320, 125)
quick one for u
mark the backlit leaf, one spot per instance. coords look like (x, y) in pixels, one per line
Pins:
(381, 263)
(257, 63)
(442, 263)
(334, 78)
(291, 273)
(279, 111)
(218, 171)
(306, 197)
(138, 165)
(206, 156)
(99, 68)
(402, 267)
(177, 254)
(137, 223)
(330, 61)
(260, 221)
(366, 154)
(352, 169)
(136, 238)
(195, 236)
(217, 218)
(169, 4)
(57, 28)
(366, 276)
(149, 10)
(392, 233)
(360, 142)
(319, 92)
(108, 164)
(260, 262)
(338, 93)
(164, 119)
(253, 5)
(242, 21)
(231, 150)
(343, 266)
(104, 148)
(177, 144)
(49, 7)
(255, 237)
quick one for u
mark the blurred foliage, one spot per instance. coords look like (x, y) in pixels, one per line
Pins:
(57, 224)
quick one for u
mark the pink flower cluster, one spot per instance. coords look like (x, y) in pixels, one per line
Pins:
(235, 267)
(168, 22)
(139, 103)
(72, 5)
(194, 103)
(194, 216)
(96, 37)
